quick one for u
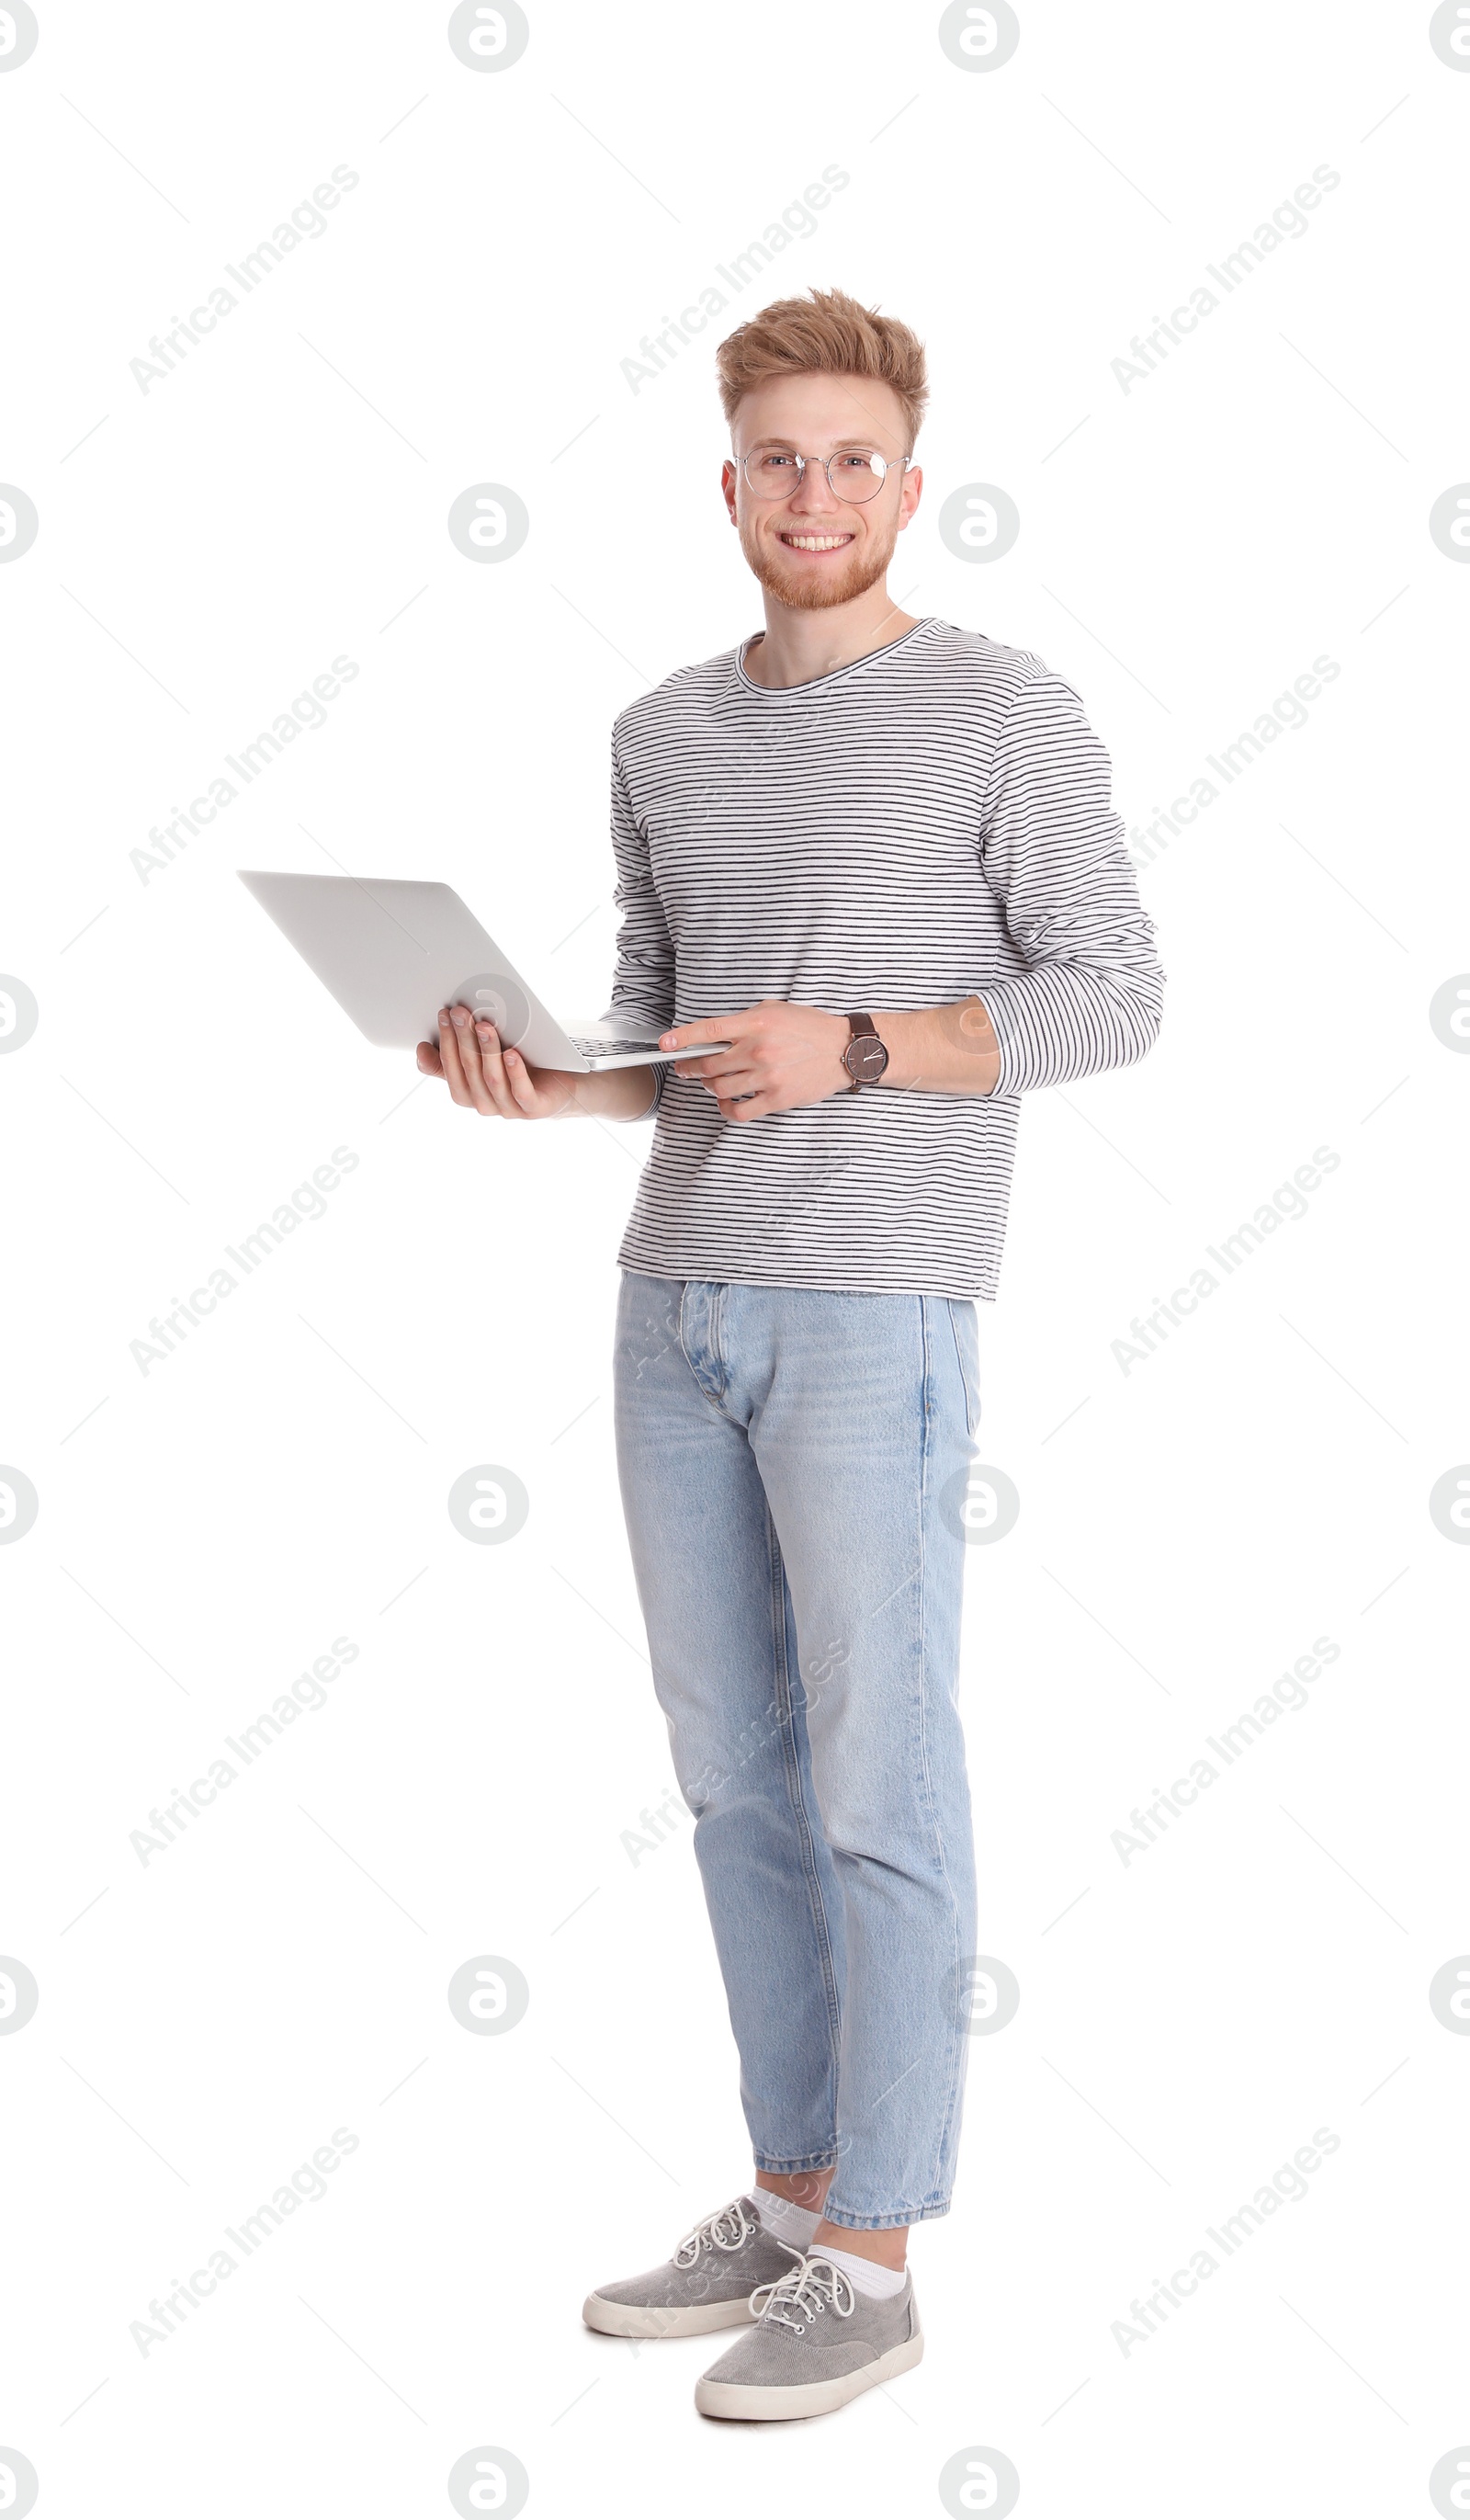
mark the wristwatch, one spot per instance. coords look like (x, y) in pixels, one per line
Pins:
(864, 1057)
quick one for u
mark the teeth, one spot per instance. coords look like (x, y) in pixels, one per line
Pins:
(816, 542)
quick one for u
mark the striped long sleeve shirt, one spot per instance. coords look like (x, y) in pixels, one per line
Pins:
(929, 824)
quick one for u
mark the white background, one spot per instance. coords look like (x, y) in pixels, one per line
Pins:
(1188, 1527)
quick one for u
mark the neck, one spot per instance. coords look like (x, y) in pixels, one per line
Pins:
(799, 647)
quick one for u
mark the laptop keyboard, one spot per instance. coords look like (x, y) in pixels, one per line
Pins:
(603, 1046)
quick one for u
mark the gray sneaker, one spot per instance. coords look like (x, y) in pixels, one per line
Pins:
(707, 2284)
(815, 2344)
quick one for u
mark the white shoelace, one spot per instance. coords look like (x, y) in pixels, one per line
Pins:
(814, 2284)
(728, 2229)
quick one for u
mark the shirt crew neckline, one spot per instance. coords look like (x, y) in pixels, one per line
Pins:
(820, 682)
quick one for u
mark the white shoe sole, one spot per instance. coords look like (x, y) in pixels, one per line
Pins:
(747, 2404)
(623, 2318)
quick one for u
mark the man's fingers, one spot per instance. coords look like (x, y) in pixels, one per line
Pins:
(481, 1074)
(493, 1068)
(480, 1043)
(734, 1054)
(452, 1064)
(527, 1096)
(462, 1033)
(467, 1053)
(720, 1072)
(518, 1083)
(709, 1028)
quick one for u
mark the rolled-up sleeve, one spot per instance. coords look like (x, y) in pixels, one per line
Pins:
(643, 983)
(1053, 849)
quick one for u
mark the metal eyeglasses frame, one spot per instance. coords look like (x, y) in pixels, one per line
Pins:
(899, 464)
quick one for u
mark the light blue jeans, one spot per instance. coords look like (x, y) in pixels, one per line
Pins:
(788, 1461)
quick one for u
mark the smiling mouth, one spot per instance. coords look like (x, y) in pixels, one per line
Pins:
(816, 542)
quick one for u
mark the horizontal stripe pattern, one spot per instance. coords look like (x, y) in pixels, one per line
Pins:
(929, 824)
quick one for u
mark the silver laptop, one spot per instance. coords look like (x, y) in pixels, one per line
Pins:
(393, 953)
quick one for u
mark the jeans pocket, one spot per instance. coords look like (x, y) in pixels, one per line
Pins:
(967, 1355)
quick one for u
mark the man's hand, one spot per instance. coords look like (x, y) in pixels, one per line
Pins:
(484, 1074)
(484, 1077)
(779, 1058)
(782, 1057)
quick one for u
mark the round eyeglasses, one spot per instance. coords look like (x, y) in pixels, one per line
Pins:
(854, 473)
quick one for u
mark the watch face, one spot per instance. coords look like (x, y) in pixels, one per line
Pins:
(865, 1058)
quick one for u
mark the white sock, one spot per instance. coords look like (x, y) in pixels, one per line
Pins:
(783, 2220)
(866, 2276)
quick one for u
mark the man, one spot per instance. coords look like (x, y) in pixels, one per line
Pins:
(876, 855)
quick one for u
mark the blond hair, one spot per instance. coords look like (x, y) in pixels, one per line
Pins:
(825, 334)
